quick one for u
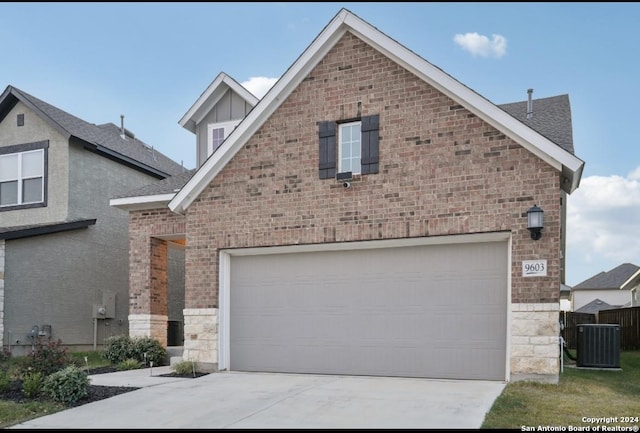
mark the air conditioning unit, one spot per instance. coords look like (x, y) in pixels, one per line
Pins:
(598, 345)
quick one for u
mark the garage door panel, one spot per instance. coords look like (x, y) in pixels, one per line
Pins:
(428, 311)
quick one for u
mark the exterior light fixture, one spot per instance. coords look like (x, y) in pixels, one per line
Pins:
(534, 222)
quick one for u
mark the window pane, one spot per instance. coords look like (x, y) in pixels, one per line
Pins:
(32, 164)
(9, 167)
(8, 193)
(350, 147)
(32, 190)
(217, 137)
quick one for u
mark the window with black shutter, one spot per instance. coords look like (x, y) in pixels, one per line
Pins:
(351, 146)
(327, 135)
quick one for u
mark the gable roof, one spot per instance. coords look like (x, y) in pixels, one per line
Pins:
(210, 98)
(551, 118)
(595, 306)
(617, 278)
(152, 196)
(345, 21)
(104, 139)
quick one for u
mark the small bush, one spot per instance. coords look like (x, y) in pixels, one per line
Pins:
(67, 385)
(184, 367)
(153, 349)
(5, 355)
(5, 380)
(45, 358)
(32, 384)
(117, 348)
(129, 364)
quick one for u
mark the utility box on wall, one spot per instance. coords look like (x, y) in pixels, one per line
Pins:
(598, 345)
(109, 302)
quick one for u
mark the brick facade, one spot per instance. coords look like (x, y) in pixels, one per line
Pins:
(443, 171)
(148, 254)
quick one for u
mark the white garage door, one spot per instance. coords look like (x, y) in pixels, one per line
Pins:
(436, 311)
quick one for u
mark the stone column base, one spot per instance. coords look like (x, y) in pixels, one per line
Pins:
(201, 337)
(149, 325)
(535, 342)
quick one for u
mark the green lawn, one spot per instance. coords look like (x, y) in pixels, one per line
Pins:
(580, 394)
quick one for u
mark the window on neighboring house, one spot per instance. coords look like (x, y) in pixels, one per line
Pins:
(356, 144)
(216, 134)
(22, 175)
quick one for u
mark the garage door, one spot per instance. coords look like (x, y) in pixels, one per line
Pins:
(436, 311)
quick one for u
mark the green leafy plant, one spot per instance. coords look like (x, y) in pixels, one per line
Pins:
(144, 349)
(129, 364)
(5, 380)
(32, 384)
(67, 385)
(148, 350)
(184, 367)
(117, 348)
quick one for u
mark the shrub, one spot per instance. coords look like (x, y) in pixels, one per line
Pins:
(153, 349)
(117, 348)
(184, 367)
(5, 355)
(122, 347)
(32, 384)
(5, 380)
(129, 364)
(45, 358)
(67, 385)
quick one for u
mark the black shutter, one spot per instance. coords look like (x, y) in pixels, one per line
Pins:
(370, 128)
(327, 147)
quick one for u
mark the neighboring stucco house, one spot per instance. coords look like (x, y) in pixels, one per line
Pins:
(619, 286)
(63, 250)
(367, 217)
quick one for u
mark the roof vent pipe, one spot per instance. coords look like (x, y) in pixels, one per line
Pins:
(530, 104)
(122, 134)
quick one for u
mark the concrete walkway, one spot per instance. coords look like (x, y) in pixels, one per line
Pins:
(272, 400)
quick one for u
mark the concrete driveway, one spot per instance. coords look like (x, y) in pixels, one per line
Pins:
(271, 400)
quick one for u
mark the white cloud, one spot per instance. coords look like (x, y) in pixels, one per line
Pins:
(259, 86)
(480, 45)
(603, 225)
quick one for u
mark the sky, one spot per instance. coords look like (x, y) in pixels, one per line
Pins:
(151, 61)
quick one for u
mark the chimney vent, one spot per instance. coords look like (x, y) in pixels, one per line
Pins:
(122, 134)
(530, 104)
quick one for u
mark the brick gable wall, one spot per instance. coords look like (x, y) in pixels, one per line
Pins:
(443, 171)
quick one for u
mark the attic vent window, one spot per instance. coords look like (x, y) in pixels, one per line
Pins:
(20, 120)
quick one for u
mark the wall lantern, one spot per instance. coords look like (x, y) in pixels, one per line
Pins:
(534, 222)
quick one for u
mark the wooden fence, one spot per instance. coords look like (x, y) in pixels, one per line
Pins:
(627, 318)
(629, 321)
(571, 320)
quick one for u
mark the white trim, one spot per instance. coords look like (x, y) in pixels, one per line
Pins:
(507, 363)
(224, 278)
(224, 338)
(142, 202)
(630, 279)
(346, 21)
(211, 96)
(341, 168)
